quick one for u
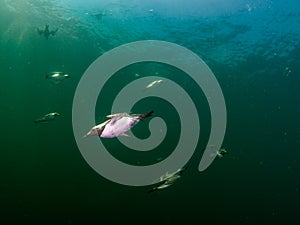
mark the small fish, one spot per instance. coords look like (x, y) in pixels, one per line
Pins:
(168, 179)
(117, 125)
(48, 117)
(57, 77)
(156, 82)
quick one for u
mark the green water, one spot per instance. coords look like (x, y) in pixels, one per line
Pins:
(252, 49)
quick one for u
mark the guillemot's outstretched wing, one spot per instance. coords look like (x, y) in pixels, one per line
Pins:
(117, 115)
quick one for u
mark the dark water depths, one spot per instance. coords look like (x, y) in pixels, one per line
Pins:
(252, 47)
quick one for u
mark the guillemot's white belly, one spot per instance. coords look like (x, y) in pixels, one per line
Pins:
(119, 126)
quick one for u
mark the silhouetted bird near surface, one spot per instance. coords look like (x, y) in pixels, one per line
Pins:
(46, 32)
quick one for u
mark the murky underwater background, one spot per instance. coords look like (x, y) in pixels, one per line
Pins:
(252, 47)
